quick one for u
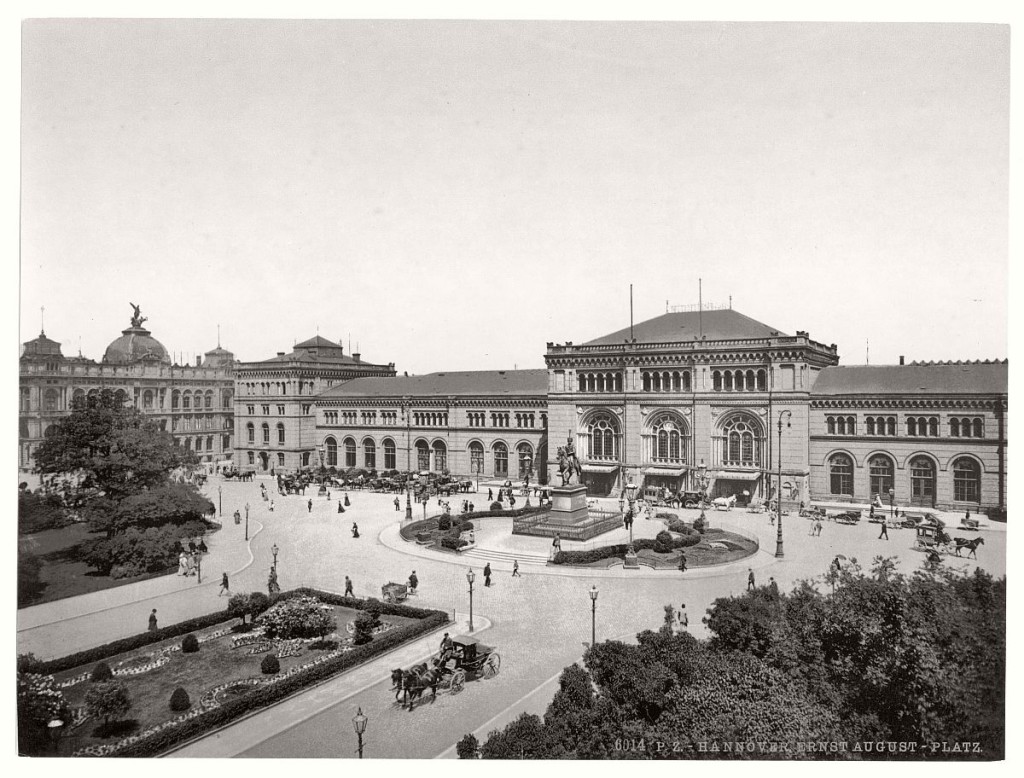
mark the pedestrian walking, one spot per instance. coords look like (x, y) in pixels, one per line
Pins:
(224, 585)
(152, 621)
(490, 495)
(355, 530)
(271, 506)
(309, 506)
(414, 582)
(348, 587)
(487, 574)
(773, 588)
(340, 508)
(328, 495)
(817, 528)
(397, 504)
(885, 531)
(684, 619)
(182, 564)
(515, 569)
(347, 503)
(682, 561)
(750, 579)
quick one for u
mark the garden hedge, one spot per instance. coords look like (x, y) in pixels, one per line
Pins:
(619, 550)
(135, 642)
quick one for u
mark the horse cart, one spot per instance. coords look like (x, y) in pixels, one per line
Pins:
(394, 592)
(447, 669)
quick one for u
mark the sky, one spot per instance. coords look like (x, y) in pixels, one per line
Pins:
(455, 195)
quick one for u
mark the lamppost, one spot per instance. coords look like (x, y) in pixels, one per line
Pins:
(220, 502)
(778, 494)
(702, 484)
(273, 550)
(323, 489)
(408, 457)
(359, 724)
(529, 473)
(199, 568)
(892, 495)
(470, 576)
(629, 493)
(247, 521)
(593, 616)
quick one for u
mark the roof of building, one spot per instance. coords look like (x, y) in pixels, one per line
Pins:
(41, 346)
(461, 384)
(916, 378)
(135, 344)
(319, 349)
(725, 324)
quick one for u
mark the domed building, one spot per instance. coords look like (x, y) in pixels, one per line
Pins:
(193, 402)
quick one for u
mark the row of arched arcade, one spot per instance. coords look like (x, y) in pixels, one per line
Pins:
(920, 478)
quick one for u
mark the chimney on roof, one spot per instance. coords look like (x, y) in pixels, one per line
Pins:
(901, 359)
(356, 356)
(199, 361)
(280, 353)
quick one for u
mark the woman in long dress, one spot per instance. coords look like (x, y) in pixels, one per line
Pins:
(182, 564)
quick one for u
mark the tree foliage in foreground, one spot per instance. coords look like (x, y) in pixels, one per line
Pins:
(888, 657)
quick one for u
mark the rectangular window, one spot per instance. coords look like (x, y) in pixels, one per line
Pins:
(280, 459)
(251, 409)
(280, 410)
(266, 410)
(306, 409)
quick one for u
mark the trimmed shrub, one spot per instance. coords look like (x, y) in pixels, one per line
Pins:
(700, 525)
(444, 523)
(364, 629)
(453, 543)
(190, 644)
(466, 526)
(496, 506)
(270, 665)
(180, 700)
(101, 673)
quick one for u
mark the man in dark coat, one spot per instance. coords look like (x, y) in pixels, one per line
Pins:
(348, 587)
(152, 621)
(487, 574)
(309, 506)
(750, 579)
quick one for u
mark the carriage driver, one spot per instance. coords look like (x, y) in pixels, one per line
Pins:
(446, 649)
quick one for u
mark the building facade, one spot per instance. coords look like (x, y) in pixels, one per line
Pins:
(483, 424)
(275, 402)
(194, 403)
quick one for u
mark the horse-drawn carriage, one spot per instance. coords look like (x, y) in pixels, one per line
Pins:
(447, 669)
(846, 517)
(934, 538)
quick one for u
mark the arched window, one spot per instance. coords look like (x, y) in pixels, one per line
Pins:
(603, 436)
(667, 440)
(476, 458)
(869, 423)
(252, 458)
(50, 400)
(954, 428)
(911, 426)
(250, 431)
(186, 401)
(933, 427)
(266, 433)
(979, 428)
(440, 456)
(762, 380)
(647, 382)
(890, 427)
(831, 424)
(581, 382)
(727, 380)
(350, 452)
(840, 474)
(524, 452)
(422, 455)
(742, 437)
(966, 480)
(332, 452)
(176, 400)
(188, 444)
(716, 381)
(751, 381)
(687, 385)
(147, 399)
(922, 481)
(209, 442)
(280, 434)
(389, 454)
(208, 400)
(199, 444)
(841, 425)
(500, 459)
(369, 454)
(881, 469)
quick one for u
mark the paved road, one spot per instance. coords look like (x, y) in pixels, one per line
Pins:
(539, 622)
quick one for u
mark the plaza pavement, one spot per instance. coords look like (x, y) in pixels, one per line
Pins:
(539, 622)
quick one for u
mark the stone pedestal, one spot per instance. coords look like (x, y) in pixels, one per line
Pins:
(630, 562)
(568, 504)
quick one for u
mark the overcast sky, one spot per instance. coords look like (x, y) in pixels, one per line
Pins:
(455, 195)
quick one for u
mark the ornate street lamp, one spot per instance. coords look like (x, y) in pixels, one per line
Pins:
(892, 495)
(529, 473)
(470, 576)
(273, 550)
(702, 484)
(247, 521)
(359, 722)
(593, 616)
(778, 494)
(220, 502)
(321, 449)
(408, 456)
(630, 495)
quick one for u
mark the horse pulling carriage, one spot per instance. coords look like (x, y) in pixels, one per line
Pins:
(447, 669)
(935, 539)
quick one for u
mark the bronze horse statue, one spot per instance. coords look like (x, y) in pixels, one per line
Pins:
(568, 466)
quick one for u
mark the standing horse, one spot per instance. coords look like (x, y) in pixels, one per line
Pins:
(417, 680)
(568, 466)
(724, 503)
(970, 545)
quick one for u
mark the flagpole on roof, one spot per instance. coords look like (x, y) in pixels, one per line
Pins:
(700, 306)
(631, 313)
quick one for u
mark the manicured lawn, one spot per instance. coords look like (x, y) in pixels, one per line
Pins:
(63, 571)
(216, 663)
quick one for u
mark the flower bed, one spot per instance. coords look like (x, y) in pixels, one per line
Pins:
(303, 662)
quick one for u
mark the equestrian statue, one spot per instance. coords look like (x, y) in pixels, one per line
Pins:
(568, 464)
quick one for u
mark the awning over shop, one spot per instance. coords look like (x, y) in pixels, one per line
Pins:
(589, 468)
(669, 472)
(738, 475)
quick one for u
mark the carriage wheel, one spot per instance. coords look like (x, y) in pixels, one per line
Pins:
(458, 681)
(350, 628)
(492, 665)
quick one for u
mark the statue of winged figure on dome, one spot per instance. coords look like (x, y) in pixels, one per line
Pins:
(138, 318)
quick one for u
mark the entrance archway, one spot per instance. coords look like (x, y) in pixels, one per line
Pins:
(265, 460)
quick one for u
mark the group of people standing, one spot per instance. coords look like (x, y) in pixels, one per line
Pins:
(188, 561)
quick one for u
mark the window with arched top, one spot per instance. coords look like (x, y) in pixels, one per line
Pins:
(500, 451)
(603, 437)
(840, 474)
(350, 452)
(252, 458)
(476, 457)
(390, 454)
(147, 399)
(266, 433)
(369, 454)
(911, 426)
(978, 426)
(280, 434)
(250, 431)
(922, 481)
(742, 441)
(716, 381)
(208, 400)
(440, 456)
(524, 453)
(186, 401)
(954, 428)
(881, 469)
(668, 438)
(331, 450)
(422, 455)
(966, 480)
